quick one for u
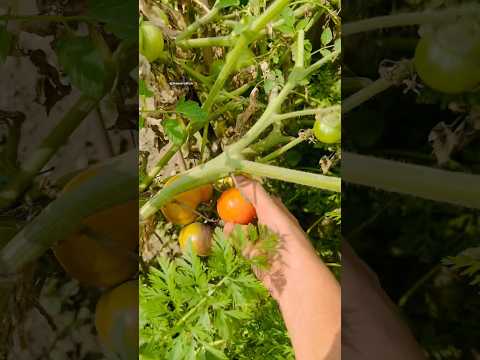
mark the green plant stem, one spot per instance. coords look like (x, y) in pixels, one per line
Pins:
(355, 100)
(227, 69)
(409, 19)
(294, 176)
(415, 180)
(306, 112)
(406, 296)
(194, 74)
(193, 27)
(273, 139)
(206, 42)
(270, 13)
(158, 167)
(299, 58)
(318, 64)
(39, 158)
(283, 149)
(112, 185)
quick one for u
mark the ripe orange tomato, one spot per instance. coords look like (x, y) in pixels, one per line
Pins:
(102, 252)
(199, 235)
(116, 320)
(233, 207)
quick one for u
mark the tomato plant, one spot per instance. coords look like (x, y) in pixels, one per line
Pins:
(244, 82)
(233, 207)
(199, 236)
(116, 320)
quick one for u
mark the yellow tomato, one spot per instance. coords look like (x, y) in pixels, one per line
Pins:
(116, 320)
(181, 210)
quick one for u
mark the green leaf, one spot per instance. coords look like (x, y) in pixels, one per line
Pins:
(327, 36)
(215, 352)
(141, 122)
(5, 43)
(192, 110)
(143, 89)
(121, 17)
(84, 64)
(222, 4)
(288, 17)
(175, 131)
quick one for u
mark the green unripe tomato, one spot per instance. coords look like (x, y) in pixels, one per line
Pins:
(448, 59)
(151, 41)
(328, 128)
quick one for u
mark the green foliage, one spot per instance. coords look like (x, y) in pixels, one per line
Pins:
(175, 131)
(120, 17)
(467, 263)
(215, 308)
(191, 110)
(85, 64)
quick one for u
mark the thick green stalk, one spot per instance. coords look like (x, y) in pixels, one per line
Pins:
(57, 137)
(158, 167)
(330, 183)
(206, 42)
(203, 174)
(420, 181)
(113, 183)
(409, 19)
(271, 13)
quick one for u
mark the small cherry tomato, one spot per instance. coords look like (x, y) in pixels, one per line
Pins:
(328, 129)
(447, 60)
(151, 41)
(199, 235)
(102, 252)
(116, 320)
(233, 207)
(181, 210)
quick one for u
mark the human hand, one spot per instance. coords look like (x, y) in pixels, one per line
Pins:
(306, 291)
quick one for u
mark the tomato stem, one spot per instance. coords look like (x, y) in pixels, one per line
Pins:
(193, 27)
(421, 181)
(324, 182)
(410, 19)
(158, 167)
(296, 141)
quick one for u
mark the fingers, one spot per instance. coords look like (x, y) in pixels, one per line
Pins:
(228, 228)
